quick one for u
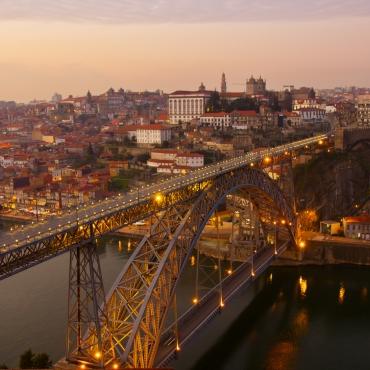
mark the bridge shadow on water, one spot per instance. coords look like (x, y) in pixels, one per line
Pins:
(300, 319)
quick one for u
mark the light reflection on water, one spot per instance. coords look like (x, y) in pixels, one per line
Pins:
(341, 294)
(302, 286)
(328, 329)
(324, 324)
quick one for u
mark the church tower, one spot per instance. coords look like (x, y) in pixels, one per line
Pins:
(223, 84)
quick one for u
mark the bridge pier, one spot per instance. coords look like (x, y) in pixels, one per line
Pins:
(85, 298)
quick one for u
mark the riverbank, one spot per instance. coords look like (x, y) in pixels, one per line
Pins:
(327, 250)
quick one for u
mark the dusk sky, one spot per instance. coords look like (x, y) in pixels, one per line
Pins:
(71, 46)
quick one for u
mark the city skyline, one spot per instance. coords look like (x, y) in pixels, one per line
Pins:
(76, 46)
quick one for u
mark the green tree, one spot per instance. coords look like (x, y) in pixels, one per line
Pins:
(42, 361)
(30, 360)
(26, 360)
(244, 104)
(214, 102)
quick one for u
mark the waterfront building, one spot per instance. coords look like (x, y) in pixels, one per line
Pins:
(357, 227)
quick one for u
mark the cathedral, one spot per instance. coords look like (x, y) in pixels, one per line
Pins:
(256, 86)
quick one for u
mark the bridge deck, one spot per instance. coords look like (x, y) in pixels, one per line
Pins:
(35, 243)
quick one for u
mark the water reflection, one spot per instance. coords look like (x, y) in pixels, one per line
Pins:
(281, 330)
(281, 356)
(302, 286)
(364, 292)
(341, 294)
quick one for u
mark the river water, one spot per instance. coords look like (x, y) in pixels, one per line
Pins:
(290, 318)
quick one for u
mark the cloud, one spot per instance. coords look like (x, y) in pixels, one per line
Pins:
(180, 11)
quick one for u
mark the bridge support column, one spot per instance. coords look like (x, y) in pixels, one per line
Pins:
(85, 297)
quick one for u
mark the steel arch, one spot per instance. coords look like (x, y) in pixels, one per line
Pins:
(139, 300)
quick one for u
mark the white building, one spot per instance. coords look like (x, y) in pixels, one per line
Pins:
(312, 115)
(193, 160)
(219, 119)
(153, 134)
(6, 161)
(174, 161)
(183, 106)
(308, 103)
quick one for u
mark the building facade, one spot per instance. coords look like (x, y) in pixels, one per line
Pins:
(217, 119)
(357, 227)
(184, 106)
(153, 134)
(363, 110)
(174, 161)
(256, 86)
(312, 115)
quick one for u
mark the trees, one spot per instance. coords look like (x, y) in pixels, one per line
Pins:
(214, 103)
(30, 360)
(26, 360)
(243, 104)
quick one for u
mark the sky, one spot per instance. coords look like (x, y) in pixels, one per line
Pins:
(71, 46)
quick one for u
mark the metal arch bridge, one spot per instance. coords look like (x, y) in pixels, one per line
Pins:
(127, 328)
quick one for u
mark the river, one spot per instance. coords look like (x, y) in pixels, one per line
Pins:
(291, 318)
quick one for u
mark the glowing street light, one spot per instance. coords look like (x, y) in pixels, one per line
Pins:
(195, 300)
(158, 198)
(97, 355)
(302, 244)
(267, 160)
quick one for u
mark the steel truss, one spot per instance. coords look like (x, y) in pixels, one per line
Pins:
(139, 300)
(40, 245)
(85, 299)
(40, 249)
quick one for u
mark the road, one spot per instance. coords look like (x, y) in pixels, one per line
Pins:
(96, 210)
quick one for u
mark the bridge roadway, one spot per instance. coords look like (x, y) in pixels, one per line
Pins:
(23, 237)
(200, 314)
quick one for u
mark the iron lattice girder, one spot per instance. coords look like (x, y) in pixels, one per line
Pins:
(40, 250)
(85, 299)
(138, 302)
(16, 255)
